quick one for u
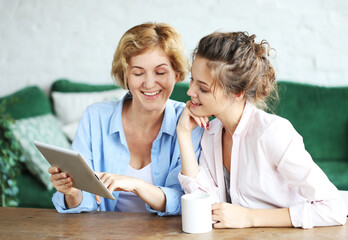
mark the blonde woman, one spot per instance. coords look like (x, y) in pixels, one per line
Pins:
(132, 143)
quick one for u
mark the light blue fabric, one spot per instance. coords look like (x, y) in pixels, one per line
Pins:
(101, 141)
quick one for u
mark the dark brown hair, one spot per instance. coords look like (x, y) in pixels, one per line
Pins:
(238, 65)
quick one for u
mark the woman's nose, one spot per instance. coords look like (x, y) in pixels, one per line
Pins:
(149, 81)
(191, 91)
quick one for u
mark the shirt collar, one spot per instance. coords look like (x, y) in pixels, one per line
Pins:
(245, 119)
(115, 124)
(169, 119)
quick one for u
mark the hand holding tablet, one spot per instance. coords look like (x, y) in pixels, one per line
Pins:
(73, 163)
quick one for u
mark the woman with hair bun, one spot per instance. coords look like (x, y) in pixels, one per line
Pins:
(254, 164)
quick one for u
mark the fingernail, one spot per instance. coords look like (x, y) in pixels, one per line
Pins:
(202, 125)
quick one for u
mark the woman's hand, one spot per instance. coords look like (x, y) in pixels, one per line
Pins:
(188, 121)
(230, 216)
(62, 182)
(116, 182)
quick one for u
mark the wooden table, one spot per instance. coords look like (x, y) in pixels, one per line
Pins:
(28, 223)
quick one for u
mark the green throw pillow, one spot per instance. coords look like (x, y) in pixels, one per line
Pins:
(43, 128)
(65, 85)
(28, 102)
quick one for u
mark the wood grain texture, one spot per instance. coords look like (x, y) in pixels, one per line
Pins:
(26, 223)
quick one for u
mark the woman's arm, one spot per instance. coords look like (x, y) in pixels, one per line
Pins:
(151, 194)
(186, 124)
(233, 216)
(189, 163)
(321, 205)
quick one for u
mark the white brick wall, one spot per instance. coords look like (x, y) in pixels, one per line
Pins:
(42, 40)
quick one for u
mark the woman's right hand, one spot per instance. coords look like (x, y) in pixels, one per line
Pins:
(62, 182)
(188, 121)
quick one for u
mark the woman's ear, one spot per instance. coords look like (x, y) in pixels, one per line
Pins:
(239, 96)
(177, 76)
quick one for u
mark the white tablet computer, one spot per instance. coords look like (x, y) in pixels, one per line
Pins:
(73, 163)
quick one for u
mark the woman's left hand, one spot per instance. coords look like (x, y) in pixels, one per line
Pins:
(188, 121)
(116, 182)
(230, 216)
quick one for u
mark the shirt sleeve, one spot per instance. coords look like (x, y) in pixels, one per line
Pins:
(88, 203)
(172, 188)
(322, 204)
(205, 180)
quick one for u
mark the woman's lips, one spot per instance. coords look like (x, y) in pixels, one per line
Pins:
(151, 95)
(194, 104)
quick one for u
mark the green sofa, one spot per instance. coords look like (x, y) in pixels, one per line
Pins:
(319, 114)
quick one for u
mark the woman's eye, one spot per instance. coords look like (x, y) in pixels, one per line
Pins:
(138, 74)
(161, 73)
(203, 90)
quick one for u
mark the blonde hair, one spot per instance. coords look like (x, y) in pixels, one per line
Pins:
(239, 65)
(142, 37)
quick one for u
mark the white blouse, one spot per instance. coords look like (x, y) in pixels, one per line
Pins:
(270, 168)
(128, 201)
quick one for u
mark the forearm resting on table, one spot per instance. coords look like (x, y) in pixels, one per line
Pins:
(152, 195)
(73, 201)
(189, 164)
(270, 217)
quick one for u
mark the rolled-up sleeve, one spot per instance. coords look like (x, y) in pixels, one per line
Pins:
(322, 204)
(88, 203)
(172, 188)
(205, 180)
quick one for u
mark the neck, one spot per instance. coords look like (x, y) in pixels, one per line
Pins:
(231, 117)
(139, 117)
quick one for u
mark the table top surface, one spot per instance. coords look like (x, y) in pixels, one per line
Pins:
(30, 223)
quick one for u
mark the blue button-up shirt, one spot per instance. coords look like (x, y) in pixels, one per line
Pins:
(101, 141)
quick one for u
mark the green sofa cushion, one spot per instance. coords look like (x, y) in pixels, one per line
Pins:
(65, 85)
(180, 92)
(320, 115)
(32, 193)
(44, 128)
(30, 101)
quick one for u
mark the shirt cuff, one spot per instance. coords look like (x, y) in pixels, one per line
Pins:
(173, 202)
(87, 203)
(190, 184)
(301, 215)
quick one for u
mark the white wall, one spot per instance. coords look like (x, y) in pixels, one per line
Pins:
(42, 40)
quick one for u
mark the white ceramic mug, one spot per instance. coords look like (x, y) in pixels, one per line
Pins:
(196, 212)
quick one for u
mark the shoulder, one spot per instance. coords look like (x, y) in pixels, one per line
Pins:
(101, 111)
(107, 107)
(175, 108)
(267, 124)
(274, 133)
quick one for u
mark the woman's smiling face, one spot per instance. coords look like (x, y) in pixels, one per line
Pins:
(205, 100)
(151, 79)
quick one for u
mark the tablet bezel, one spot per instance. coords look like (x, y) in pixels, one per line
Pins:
(77, 168)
